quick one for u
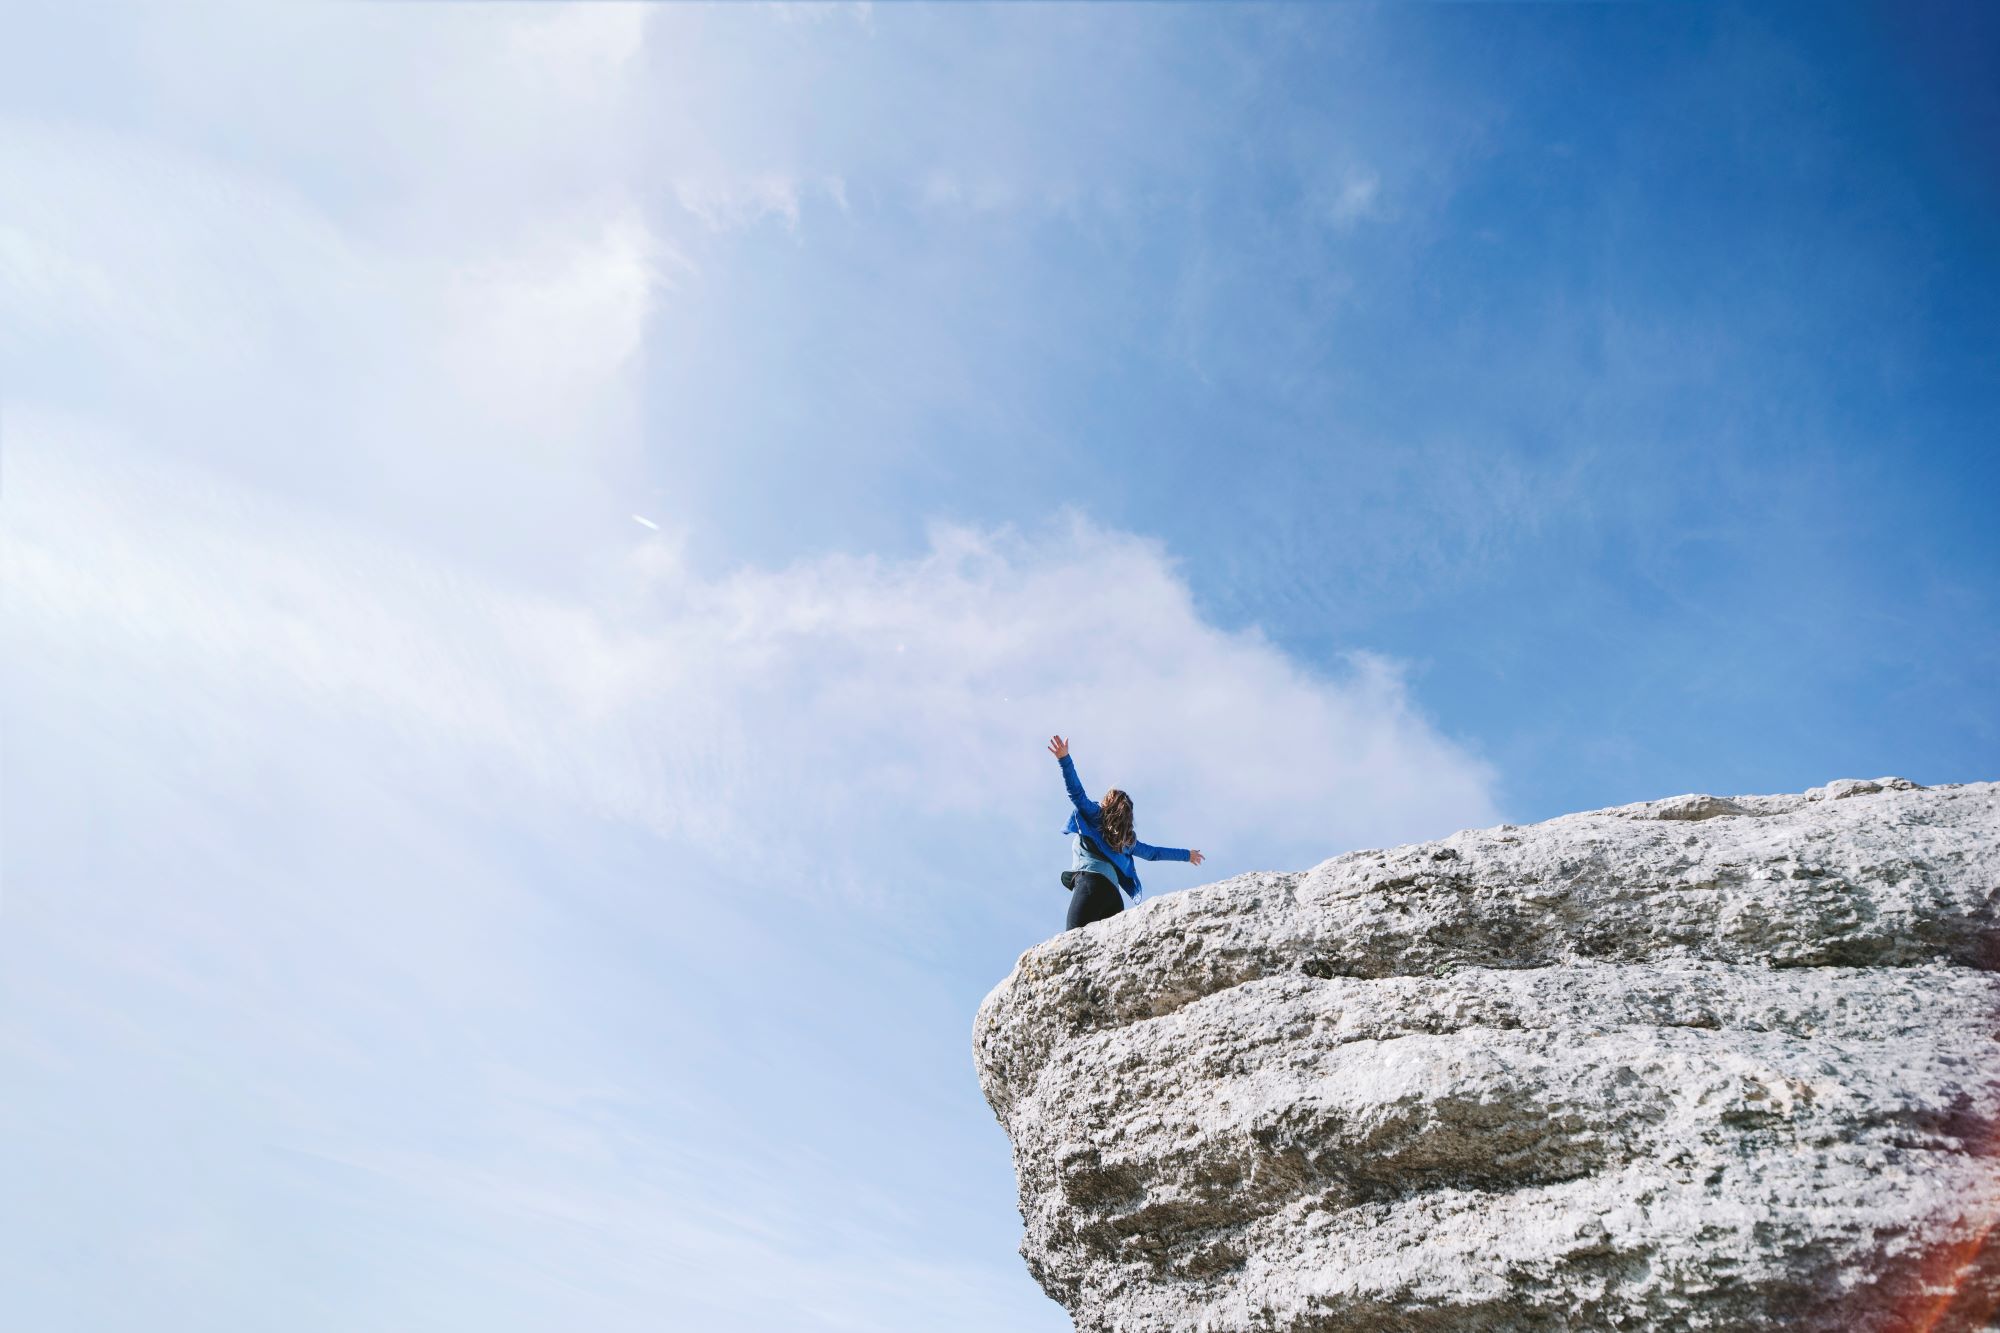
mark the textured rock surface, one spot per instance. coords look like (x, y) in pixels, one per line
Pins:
(1691, 1064)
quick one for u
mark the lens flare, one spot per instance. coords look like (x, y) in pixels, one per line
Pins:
(1948, 1304)
(1958, 1285)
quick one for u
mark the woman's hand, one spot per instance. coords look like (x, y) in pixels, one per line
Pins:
(1058, 746)
(1194, 857)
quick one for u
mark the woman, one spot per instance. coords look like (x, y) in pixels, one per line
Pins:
(1102, 848)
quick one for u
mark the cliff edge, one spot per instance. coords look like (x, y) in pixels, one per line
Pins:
(1698, 1063)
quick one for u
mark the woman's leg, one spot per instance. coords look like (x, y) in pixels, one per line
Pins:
(1093, 899)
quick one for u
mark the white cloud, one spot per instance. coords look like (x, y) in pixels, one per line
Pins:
(171, 268)
(186, 275)
(683, 704)
(582, 48)
(979, 193)
(309, 737)
(462, 369)
(534, 342)
(726, 204)
(345, 700)
(858, 12)
(1355, 198)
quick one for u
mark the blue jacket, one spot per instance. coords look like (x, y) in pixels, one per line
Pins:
(1085, 821)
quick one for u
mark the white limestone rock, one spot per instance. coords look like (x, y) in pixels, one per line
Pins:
(1687, 1064)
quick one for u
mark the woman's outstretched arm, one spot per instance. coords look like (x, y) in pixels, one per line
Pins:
(1152, 853)
(1077, 797)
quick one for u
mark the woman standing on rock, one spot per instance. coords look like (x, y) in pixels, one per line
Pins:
(1102, 848)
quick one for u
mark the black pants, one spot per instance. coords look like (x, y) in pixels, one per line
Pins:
(1093, 899)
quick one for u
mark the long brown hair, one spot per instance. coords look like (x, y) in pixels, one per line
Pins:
(1114, 820)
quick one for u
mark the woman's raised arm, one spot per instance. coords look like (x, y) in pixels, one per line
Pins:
(1077, 796)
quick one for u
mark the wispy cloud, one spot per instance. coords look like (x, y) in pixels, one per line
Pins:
(310, 739)
(722, 205)
(1355, 198)
(501, 916)
(674, 701)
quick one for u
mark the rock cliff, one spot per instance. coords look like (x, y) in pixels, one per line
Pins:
(1698, 1063)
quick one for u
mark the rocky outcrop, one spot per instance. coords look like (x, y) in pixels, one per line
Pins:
(1691, 1064)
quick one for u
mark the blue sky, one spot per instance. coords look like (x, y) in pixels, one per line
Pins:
(434, 899)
